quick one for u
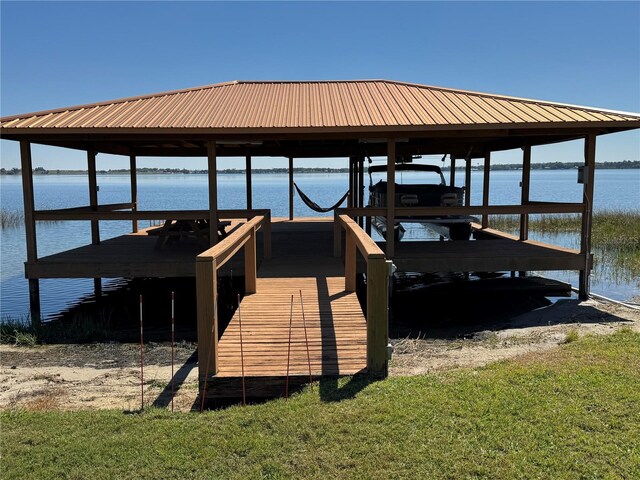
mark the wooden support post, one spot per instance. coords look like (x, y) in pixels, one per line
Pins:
(391, 197)
(290, 188)
(377, 316)
(93, 195)
(93, 203)
(467, 182)
(584, 286)
(249, 189)
(337, 235)
(361, 186)
(207, 307)
(250, 264)
(354, 183)
(134, 190)
(452, 174)
(212, 163)
(350, 262)
(526, 182)
(485, 188)
(266, 232)
(350, 200)
(30, 228)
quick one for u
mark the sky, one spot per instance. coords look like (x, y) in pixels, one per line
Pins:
(57, 54)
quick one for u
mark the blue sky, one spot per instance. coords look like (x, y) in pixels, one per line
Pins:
(56, 54)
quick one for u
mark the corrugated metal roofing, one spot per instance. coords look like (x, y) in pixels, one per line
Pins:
(327, 104)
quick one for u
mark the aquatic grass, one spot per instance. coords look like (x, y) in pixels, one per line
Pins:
(10, 219)
(18, 331)
(615, 237)
(565, 413)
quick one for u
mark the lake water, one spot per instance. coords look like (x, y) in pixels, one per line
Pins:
(614, 189)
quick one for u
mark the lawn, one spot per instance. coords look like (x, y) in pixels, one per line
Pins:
(573, 412)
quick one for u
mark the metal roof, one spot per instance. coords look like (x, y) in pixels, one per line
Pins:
(317, 106)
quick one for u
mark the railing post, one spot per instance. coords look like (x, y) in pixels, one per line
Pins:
(250, 263)
(377, 316)
(337, 234)
(350, 262)
(266, 225)
(207, 307)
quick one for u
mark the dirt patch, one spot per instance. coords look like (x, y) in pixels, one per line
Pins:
(449, 346)
(107, 375)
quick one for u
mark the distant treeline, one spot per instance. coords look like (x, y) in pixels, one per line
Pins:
(625, 164)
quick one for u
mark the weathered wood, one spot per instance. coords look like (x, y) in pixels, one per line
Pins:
(226, 248)
(207, 312)
(467, 182)
(250, 263)
(377, 316)
(93, 195)
(526, 182)
(34, 302)
(337, 235)
(485, 187)
(584, 287)
(350, 262)
(134, 190)
(391, 196)
(248, 182)
(290, 188)
(351, 197)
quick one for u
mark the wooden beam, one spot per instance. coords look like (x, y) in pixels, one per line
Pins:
(391, 196)
(526, 182)
(93, 195)
(467, 182)
(350, 262)
(134, 190)
(30, 227)
(452, 174)
(361, 186)
(248, 182)
(207, 314)
(290, 188)
(377, 316)
(212, 163)
(485, 187)
(584, 286)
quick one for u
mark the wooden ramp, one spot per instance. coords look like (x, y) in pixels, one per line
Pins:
(336, 333)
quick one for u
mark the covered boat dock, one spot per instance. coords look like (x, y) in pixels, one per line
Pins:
(280, 257)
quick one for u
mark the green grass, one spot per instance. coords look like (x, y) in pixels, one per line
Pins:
(615, 237)
(570, 413)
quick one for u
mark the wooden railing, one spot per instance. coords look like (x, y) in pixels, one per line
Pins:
(530, 208)
(377, 290)
(207, 264)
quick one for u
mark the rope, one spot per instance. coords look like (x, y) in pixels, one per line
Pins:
(314, 206)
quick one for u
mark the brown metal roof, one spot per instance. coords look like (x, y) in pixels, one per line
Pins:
(330, 105)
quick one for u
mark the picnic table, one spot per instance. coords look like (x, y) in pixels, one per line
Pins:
(175, 230)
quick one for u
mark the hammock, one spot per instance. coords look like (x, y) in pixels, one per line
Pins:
(314, 206)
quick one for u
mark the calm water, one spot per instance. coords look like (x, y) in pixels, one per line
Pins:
(614, 189)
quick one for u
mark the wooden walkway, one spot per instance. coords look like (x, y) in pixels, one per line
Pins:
(335, 330)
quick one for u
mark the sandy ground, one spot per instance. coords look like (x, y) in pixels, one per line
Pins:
(107, 375)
